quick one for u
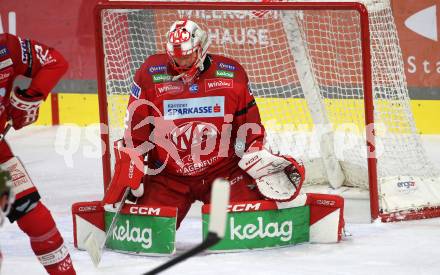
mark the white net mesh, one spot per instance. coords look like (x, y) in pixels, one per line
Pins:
(331, 74)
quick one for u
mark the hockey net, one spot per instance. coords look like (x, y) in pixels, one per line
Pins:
(308, 69)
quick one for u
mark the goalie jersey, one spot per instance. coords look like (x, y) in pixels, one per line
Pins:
(191, 129)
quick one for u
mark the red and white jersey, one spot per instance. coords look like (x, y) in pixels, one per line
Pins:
(29, 58)
(192, 129)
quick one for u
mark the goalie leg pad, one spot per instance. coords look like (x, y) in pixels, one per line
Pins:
(261, 224)
(142, 229)
(87, 217)
(139, 229)
(326, 217)
(46, 241)
(128, 172)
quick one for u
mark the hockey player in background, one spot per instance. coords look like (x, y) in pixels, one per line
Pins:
(194, 116)
(45, 66)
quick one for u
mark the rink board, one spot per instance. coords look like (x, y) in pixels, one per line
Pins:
(82, 109)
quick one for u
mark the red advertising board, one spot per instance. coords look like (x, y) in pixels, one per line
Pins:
(66, 25)
(418, 25)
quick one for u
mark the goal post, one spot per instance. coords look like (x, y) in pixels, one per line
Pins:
(327, 77)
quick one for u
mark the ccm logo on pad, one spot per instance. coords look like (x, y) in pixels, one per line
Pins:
(144, 211)
(246, 207)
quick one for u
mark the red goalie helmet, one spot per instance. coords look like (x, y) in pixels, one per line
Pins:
(187, 45)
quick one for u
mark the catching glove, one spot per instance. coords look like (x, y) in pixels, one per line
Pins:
(277, 177)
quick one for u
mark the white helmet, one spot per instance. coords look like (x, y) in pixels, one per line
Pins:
(184, 38)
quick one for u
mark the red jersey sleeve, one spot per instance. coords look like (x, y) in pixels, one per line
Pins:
(33, 59)
(137, 126)
(247, 118)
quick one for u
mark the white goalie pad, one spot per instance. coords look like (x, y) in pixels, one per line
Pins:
(326, 215)
(88, 218)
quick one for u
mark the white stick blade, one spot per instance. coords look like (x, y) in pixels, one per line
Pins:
(93, 248)
(219, 203)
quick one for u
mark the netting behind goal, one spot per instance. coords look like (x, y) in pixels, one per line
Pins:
(306, 72)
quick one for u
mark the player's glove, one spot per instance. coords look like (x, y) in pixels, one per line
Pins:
(129, 165)
(277, 177)
(24, 108)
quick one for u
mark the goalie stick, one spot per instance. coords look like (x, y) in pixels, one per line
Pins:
(216, 228)
(94, 249)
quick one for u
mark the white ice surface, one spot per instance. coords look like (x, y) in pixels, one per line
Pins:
(395, 248)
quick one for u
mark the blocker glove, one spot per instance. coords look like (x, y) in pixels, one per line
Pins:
(24, 108)
(277, 177)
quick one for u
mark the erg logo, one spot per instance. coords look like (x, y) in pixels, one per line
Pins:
(406, 187)
(406, 184)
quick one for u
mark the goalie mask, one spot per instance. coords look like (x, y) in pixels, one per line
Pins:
(187, 45)
(6, 195)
